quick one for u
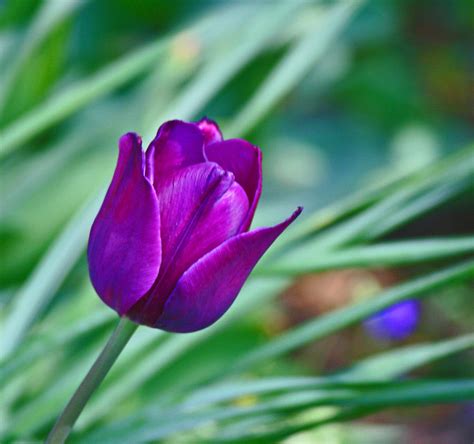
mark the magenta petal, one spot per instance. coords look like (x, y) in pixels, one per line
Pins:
(201, 207)
(210, 130)
(209, 287)
(177, 144)
(124, 250)
(245, 161)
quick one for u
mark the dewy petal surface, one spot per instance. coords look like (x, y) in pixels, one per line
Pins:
(177, 144)
(201, 207)
(245, 161)
(124, 251)
(210, 130)
(208, 288)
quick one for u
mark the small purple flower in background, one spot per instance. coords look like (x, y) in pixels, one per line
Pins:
(396, 322)
(170, 247)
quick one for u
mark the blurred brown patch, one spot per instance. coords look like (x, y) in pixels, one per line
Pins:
(315, 294)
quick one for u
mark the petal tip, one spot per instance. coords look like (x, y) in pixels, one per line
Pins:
(210, 130)
(298, 211)
(130, 140)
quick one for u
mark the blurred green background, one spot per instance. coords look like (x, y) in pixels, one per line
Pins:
(341, 96)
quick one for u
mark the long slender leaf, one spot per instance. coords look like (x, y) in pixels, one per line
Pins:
(399, 394)
(385, 254)
(50, 14)
(84, 91)
(395, 363)
(47, 343)
(229, 60)
(367, 396)
(423, 204)
(78, 95)
(342, 318)
(438, 172)
(382, 367)
(294, 66)
(40, 287)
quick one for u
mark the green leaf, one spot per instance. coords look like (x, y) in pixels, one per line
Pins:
(308, 260)
(445, 174)
(49, 15)
(296, 63)
(39, 289)
(381, 367)
(154, 426)
(325, 325)
(424, 203)
(397, 394)
(398, 362)
(43, 344)
(228, 59)
(78, 95)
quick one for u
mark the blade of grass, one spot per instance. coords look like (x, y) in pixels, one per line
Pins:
(382, 367)
(342, 318)
(296, 63)
(423, 204)
(395, 363)
(116, 74)
(47, 343)
(228, 60)
(399, 207)
(380, 255)
(38, 290)
(26, 421)
(49, 15)
(399, 394)
(76, 96)
(372, 395)
(438, 172)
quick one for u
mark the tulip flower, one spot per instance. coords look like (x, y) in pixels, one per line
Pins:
(395, 323)
(171, 247)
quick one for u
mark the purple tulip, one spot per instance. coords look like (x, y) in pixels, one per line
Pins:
(396, 322)
(170, 247)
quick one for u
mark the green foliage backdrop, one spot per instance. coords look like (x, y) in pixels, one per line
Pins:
(362, 117)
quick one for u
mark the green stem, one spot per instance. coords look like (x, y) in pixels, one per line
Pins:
(120, 336)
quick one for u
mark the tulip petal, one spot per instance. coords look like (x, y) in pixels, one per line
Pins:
(124, 250)
(245, 161)
(209, 287)
(201, 207)
(177, 144)
(210, 130)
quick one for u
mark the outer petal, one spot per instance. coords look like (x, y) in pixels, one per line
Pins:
(245, 161)
(177, 144)
(210, 130)
(124, 251)
(201, 207)
(207, 289)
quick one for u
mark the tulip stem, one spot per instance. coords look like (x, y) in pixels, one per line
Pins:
(120, 336)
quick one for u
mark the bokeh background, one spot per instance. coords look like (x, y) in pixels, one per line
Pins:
(340, 96)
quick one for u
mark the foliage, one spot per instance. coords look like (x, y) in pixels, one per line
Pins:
(293, 74)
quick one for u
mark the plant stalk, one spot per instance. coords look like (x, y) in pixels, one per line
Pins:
(117, 342)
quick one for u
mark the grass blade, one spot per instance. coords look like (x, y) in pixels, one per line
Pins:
(294, 66)
(47, 277)
(50, 14)
(308, 260)
(342, 318)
